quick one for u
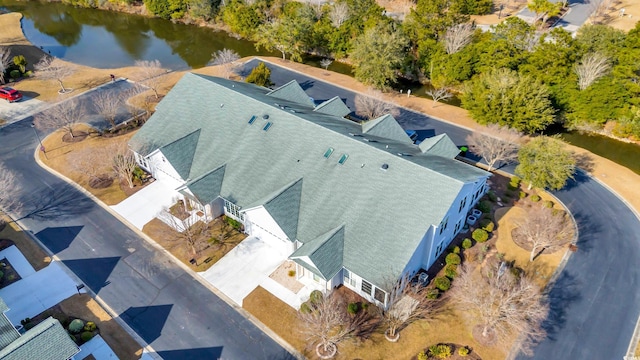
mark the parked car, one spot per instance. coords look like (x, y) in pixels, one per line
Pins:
(10, 94)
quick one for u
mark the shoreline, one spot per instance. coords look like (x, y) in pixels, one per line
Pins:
(624, 182)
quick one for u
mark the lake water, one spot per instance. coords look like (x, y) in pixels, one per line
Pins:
(106, 39)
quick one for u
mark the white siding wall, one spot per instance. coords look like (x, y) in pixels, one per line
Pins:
(259, 223)
(162, 170)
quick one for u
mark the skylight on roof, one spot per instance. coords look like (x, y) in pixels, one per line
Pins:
(328, 153)
(267, 126)
(253, 119)
(343, 158)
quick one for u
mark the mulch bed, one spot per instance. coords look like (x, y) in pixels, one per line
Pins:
(77, 137)
(454, 354)
(64, 319)
(10, 275)
(101, 182)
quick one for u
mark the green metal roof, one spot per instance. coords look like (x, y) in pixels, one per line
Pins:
(324, 254)
(292, 91)
(333, 106)
(386, 127)
(417, 188)
(46, 341)
(440, 145)
(207, 187)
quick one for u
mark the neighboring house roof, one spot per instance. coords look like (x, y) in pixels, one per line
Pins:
(292, 91)
(324, 254)
(440, 145)
(207, 187)
(373, 191)
(46, 341)
(386, 127)
(8, 333)
(334, 106)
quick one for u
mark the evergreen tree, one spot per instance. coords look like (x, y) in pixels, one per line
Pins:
(545, 164)
(260, 75)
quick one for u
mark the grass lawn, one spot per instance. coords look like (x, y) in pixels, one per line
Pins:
(57, 157)
(36, 256)
(449, 327)
(166, 237)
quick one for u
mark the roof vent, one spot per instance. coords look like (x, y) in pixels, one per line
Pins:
(293, 111)
(355, 135)
(370, 140)
(386, 146)
(384, 166)
(265, 116)
(221, 105)
(404, 154)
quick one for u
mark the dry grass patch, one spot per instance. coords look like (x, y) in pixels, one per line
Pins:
(57, 158)
(211, 251)
(543, 267)
(449, 327)
(36, 256)
(84, 307)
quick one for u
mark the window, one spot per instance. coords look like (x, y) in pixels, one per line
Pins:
(439, 250)
(348, 279)
(366, 287)
(328, 153)
(233, 210)
(267, 126)
(379, 295)
(463, 203)
(343, 158)
(443, 225)
(253, 119)
(316, 278)
(458, 225)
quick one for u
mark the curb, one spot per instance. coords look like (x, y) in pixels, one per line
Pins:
(191, 273)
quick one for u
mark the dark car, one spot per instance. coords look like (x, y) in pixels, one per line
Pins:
(10, 94)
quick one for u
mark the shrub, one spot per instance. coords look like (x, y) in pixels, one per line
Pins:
(64, 319)
(456, 250)
(25, 321)
(291, 273)
(512, 187)
(535, 198)
(515, 181)
(76, 326)
(508, 194)
(137, 173)
(433, 294)
(15, 74)
(422, 356)
(315, 296)
(467, 244)
(233, 222)
(352, 308)
(443, 283)
(452, 259)
(11, 277)
(1, 274)
(484, 206)
(521, 195)
(555, 212)
(492, 196)
(480, 235)
(86, 336)
(450, 271)
(548, 204)
(463, 351)
(90, 326)
(489, 226)
(305, 308)
(440, 351)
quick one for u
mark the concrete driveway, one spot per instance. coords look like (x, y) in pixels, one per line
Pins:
(11, 112)
(244, 268)
(143, 206)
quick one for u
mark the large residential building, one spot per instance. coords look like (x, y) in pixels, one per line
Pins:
(350, 203)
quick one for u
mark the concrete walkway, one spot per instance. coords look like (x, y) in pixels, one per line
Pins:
(98, 348)
(143, 206)
(244, 268)
(37, 292)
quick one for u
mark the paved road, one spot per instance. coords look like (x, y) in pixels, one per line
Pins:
(579, 12)
(596, 300)
(175, 314)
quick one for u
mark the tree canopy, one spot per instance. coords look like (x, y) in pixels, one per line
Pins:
(545, 163)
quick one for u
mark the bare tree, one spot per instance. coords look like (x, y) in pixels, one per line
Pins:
(51, 68)
(328, 323)
(592, 67)
(93, 162)
(496, 144)
(64, 116)
(149, 74)
(503, 305)
(107, 104)
(543, 229)
(9, 187)
(5, 62)
(372, 105)
(599, 10)
(123, 161)
(325, 63)
(227, 59)
(339, 13)
(438, 94)
(457, 37)
(406, 303)
(188, 229)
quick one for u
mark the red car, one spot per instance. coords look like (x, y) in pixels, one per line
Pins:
(10, 94)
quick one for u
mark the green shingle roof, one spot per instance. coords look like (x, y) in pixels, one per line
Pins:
(386, 127)
(284, 208)
(207, 187)
(8, 333)
(324, 254)
(440, 145)
(418, 189)
(292, 91)
(180, 153)
(333, 106)
(46, 341)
